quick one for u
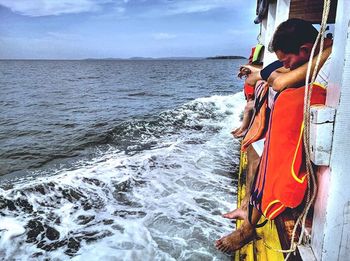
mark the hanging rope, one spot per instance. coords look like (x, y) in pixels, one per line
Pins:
(312, 185)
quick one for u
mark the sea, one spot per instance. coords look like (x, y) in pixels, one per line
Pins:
(117, 159)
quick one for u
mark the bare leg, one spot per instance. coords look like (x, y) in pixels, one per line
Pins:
(253, 162)
(238, 132)
(239, 213)
(247, 116)
(240, 237)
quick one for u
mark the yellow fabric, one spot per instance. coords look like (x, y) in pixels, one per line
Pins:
(257, 52)
(257, 250)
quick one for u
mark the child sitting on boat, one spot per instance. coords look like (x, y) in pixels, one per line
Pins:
(254, 63)
(248, 90)
(253, 141)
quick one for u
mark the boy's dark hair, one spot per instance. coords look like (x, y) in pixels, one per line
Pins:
(292, 34)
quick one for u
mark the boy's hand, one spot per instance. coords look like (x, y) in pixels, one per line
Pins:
(244, 72)
(247, 69)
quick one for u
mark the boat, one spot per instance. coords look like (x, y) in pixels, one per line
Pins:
(327, 228)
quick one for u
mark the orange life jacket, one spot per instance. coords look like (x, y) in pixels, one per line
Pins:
(281, 179)
(248, 91)
(258, 126)
(250, 59)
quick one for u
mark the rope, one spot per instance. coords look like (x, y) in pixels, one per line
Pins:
(312, 186)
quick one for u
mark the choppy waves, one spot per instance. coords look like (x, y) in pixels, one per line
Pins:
(156, 194)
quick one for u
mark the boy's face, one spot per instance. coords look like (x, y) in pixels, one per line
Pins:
(291, 60)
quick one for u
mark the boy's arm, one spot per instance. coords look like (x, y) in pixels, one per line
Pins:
(251, 72)
(297, 77)
(270, 71)
(274, 75)
(253, 78)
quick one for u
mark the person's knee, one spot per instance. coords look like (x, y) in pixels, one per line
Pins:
(250, 104)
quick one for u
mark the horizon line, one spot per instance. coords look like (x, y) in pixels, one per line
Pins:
(130, 58)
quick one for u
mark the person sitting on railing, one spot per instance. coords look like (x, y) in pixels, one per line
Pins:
(257, 121)
(254, 63)
(282, 158)
(249, 91)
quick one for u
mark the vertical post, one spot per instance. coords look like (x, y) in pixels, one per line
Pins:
(263, 31)
(270, 28)
(331, 226)
(282, 11)
(277, 13)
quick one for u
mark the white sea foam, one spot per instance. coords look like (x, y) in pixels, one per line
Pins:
(162, 203)
(10, 228)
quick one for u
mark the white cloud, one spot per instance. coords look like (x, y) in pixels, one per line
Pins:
(157, 8)
(201, 6)
(163, 36)
(52, 7)
(164, 7)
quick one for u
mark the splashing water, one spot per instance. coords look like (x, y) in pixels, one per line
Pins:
(157, 193)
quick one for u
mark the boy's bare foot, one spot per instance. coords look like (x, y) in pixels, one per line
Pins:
(238, 132)
(237, 239)
(238, 213)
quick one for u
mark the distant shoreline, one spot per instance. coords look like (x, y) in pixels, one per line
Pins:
(136, 58)
(173, 58)
(227, 57)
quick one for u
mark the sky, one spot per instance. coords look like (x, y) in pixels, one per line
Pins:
(78, 29)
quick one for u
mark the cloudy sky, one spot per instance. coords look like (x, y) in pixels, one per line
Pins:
(75, 29)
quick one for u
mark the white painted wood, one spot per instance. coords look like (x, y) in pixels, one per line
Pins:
(306, 253)
(322, 114)
(321, 134)
(331, 226)
(319, 219)
(270, 28)
(263, 31)
(277, 13)
(282, 11)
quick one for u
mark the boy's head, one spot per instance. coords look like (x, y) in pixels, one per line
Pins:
(292, 42)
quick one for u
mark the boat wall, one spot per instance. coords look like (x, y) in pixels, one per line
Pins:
(331, 227)
(277, 13)
(319, 219)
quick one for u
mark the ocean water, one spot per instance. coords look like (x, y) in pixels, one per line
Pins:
(117, 160)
